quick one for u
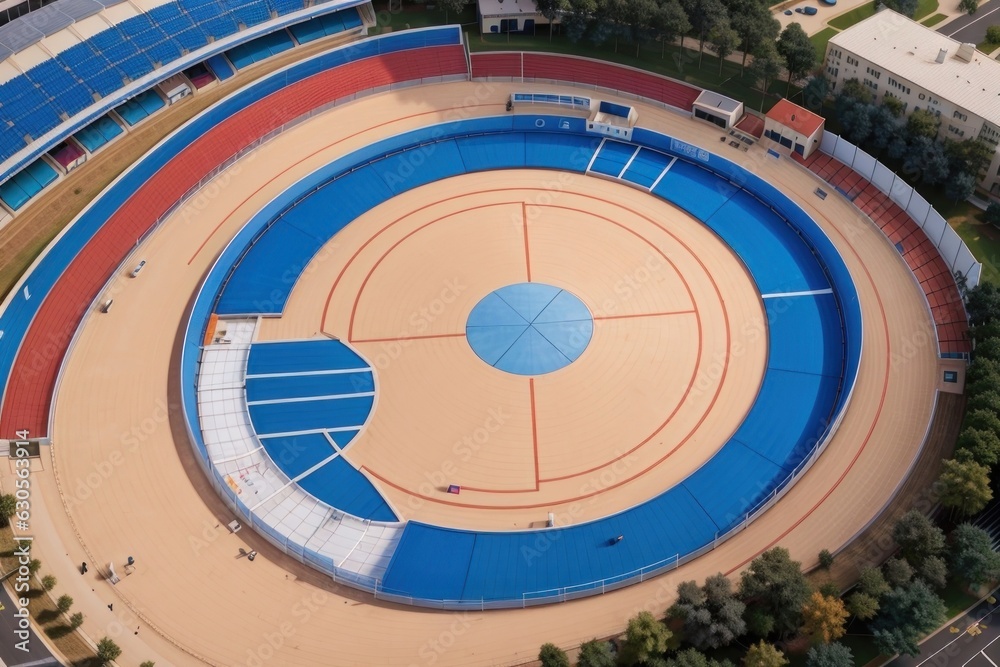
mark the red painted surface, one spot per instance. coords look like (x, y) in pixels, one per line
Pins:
(585, 71)
(28, 397)
(919, 253)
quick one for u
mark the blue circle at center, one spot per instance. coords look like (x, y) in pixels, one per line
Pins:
(529, 328)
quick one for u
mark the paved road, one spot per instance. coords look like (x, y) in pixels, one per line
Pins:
(962, 649)
(973, 28)
(10, 655)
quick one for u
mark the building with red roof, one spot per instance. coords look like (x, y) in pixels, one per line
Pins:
(794, 127)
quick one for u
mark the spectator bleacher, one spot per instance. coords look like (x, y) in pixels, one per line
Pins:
(26, 184)
(53, 91)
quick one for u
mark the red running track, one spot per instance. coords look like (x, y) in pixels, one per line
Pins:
(586, 71)
(29, 393)
(934, 276)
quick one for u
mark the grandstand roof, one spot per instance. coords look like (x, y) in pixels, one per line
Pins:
(910, 50)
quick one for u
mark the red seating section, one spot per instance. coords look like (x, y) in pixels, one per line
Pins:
(919, 252)
(29, 391)
(585, 71)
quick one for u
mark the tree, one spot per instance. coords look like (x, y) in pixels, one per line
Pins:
(815, 92)
(713, 616)
(723, 40)
(147, 663)
(596, 653)
(34, 565)
(992, 215)
(578, 19)
(774, 584)
(907, 614)
(825, 559)
(551, 655)
(971, 156)
(669, 22)
(550, 9)
(76, 620)
(898, 572)
(692, 657)
(703, 15)
(986, 348)
(968, 6)
(972, 555)
(856, 121)
(925, 158)
(766, 65)
(452, 6)
(983, 306)
(964, 486)
(993, 34)
(645, 638)
(855, 91)
(917, 537)
(763, 654)
(905, 7)
(638, 14)
(829, 655)
(923, 123)
(8, 507)
(48, 582)
(824, 618)
(894, 105)
(934, 571)
(862, 606)
(987, 400)
(872, 582)
(107, 650)
(64, 603)
(798, 51)
(753, 22)
(982, 447)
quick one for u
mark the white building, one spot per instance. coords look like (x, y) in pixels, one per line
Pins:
(717, 109)
(894, 56)
(507, 16)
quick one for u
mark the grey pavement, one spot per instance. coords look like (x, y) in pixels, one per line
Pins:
(10, 655)
(975, 644)
(973, 28)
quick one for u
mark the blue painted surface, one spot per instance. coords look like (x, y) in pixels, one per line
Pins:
(694, 189)
(342, 486)
(529, 328)
(98, 133)
(301, 357)
(26, 184)
(270, 418)
(646, 167)
(774, 254)
(298, 386)
(790, 350)
(613, 157)
(140, 107)
(298, 453)
(220, 67)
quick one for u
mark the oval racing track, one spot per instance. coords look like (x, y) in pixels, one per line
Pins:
(190, 588)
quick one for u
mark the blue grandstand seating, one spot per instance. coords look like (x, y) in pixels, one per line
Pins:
(220, 67)
(328, 24)
(98, 133)
(248, 53)
(140, 106)
(27, 183)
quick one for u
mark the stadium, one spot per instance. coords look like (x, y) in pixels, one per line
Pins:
(491, 349)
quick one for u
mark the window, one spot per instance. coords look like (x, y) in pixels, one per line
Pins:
(922, 96)
(961, 116)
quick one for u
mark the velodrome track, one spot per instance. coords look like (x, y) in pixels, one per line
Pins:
(154, 502)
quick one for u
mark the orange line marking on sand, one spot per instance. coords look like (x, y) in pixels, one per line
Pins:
(313, 154)
(398, 338)
(628, 317)
(534, 429)
(681, 443)
(527, 252)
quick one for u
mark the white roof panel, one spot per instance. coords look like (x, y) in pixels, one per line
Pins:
(906, 48)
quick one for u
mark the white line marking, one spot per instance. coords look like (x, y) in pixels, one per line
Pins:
(596, 153)
(309, 431)
(815, 292)
(306, 399)
(988, 658)
(629, 163)
(997, 9)
(333, 371)
(662, 174)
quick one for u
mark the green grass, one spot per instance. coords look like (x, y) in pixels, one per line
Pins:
(417, 16)
(956, 595)
(934, 20)
(820, 39)
(924, 8)
(983, 240)
(987, 46)
(675, 62)
(856, 15)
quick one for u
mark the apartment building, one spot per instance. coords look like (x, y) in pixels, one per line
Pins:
(897, 57)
